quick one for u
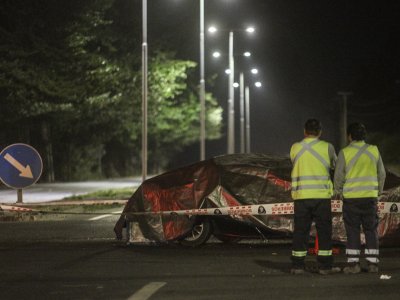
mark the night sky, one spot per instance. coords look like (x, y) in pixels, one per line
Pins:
(306, 52)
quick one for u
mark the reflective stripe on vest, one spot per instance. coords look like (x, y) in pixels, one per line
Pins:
(315, 183)
(361, 179)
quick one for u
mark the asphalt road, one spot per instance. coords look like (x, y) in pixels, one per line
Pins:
(78, 258)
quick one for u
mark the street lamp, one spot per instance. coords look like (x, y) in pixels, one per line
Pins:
(216, 54)
(343, 119)
(244, 98)
(144, 90)
(202, 87)
(254, 71)
(257, 84)
(145, 87)
(231, 100)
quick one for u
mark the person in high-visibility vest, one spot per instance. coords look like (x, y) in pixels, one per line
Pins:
(312, 189)
(359, 178)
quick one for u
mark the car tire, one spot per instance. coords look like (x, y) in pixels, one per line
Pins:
(199, 234)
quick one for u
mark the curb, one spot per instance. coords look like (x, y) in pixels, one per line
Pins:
(62, 202)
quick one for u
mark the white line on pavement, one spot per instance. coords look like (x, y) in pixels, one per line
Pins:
(145, 292)
(103, 216)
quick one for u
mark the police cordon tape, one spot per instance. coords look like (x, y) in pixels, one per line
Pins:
(266, 209)
(286, 208)
(15, 208)
(263, 209)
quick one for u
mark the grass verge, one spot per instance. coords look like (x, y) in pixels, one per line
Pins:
(112, 194)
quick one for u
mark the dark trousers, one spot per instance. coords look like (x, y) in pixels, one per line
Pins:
(305, 212)
(357, 213)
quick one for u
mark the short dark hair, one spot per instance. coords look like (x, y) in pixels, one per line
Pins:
(357, 131)
(313, 127)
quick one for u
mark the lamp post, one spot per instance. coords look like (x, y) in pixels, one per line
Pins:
(343, 118)
(231, 99)
(247, 101)
(242, 141)
(244, 97)
(144, 90)
(202, 87)
(145, 87)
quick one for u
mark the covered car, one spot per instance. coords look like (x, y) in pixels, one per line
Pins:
(240, 183)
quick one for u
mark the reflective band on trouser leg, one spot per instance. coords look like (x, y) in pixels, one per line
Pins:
(371, 255)
(324, 252)
(373, 260)
(353, 255)
(299, 253)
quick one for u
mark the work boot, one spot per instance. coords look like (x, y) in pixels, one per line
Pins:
(297, 271)
(352, 269)
(333, 270)
(373, 268)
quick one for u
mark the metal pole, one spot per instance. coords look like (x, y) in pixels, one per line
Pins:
(202, 87)
(231, 100)
(247, 100)
(242, 138)
(343, 119)
(19, 196)
(144, 90)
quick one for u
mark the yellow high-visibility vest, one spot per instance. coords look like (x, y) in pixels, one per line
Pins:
(361, 179)
(310, 173)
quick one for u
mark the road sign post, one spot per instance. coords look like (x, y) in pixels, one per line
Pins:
(20, 167)
(19, 196)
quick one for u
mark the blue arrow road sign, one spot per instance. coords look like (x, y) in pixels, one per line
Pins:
(20, 166)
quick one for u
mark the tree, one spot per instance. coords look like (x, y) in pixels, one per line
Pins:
(70, 85)
(174, 109)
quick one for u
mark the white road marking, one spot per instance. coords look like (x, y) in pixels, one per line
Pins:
(145, 292)
(103, 216)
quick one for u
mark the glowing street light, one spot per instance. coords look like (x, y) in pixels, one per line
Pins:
(216, 54)
(212, 29)
(247, 54)
(250, 29)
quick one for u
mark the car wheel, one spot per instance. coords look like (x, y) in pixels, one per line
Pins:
(199, 235)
